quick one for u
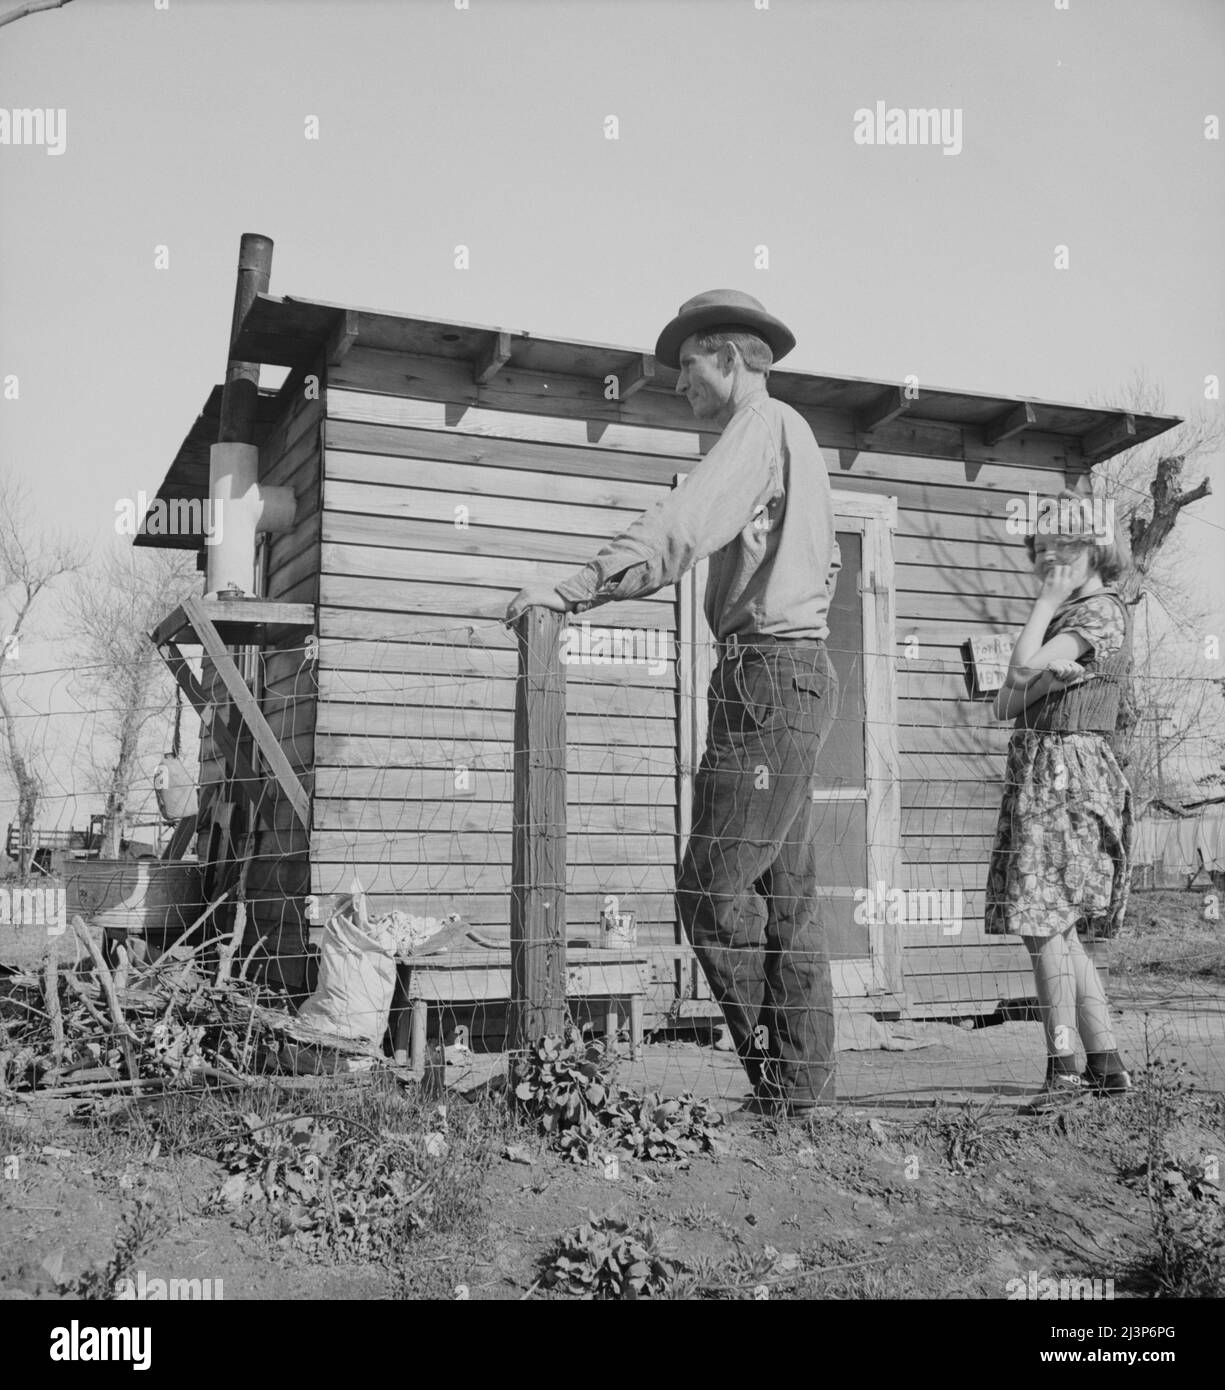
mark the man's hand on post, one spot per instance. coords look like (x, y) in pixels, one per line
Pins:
(537, 595)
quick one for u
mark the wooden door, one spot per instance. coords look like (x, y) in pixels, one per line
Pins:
(858, 822)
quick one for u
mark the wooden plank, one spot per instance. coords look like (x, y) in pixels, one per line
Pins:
(391, 721)
(926, 557)
(887, 407)
(463, 817)
(1006, 955)
(1110, 437)
(538, 841)
(472, 570)
(452, 601)
(447, 443)
(1011, 423)
(479, 512)
(350, 630)
(953, 795)
(654, 912)
(953, 528)
(201, 621)
(969, 877)
(590, 794)
(923, 822)
(342, 339)
(238, 766)
(639, 373)
(348, 528)
(495, 477)
(977, 586)
(998, 612)
(297, 465)
(965, 769)
(938, 492)
(443, 846)
(945, 714)
(514, 417)
(247, 614)
(922, 738)
(499, 474)
(952, 848)
(492, 357)
(597, 759)
(586, 694)
(380, 876)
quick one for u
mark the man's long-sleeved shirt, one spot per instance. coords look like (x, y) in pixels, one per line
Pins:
(759, 505)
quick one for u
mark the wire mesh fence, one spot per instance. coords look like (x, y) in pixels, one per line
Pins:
(837, 898)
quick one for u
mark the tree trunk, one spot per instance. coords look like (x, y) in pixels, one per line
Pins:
(29, 789)
(1147, 536)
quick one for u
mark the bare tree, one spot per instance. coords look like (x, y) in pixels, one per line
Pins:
(113, 612)
(29, 563)
(1146, 487)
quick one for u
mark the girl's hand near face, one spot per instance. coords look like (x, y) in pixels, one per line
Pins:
(1059, 581)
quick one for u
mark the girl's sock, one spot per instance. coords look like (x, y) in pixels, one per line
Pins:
(1105, 1063)
(1063, 1064)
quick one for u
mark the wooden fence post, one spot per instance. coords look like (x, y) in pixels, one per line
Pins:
(538, 846)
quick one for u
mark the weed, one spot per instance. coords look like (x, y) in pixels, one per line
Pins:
(345, 1171)
(1186, 1258)
(139, 1227)
(568, 1087)
(958, 1134)
(610, 1259)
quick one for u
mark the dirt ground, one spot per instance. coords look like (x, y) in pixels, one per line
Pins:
(923, 1181)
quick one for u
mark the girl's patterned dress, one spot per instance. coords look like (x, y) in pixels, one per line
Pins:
(1062, 847)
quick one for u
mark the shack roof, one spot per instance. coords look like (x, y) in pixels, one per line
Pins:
(868, 415)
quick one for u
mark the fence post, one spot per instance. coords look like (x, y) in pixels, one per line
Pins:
(538, 847)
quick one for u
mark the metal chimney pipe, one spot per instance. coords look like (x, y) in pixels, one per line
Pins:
(241, 507)
(240, 395)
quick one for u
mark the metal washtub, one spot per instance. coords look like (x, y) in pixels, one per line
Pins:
(154, 898)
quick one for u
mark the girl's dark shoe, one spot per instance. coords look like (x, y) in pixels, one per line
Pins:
(1058, 1091)
(1115, 1083)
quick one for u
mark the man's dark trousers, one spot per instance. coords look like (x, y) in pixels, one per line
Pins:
(747, 888)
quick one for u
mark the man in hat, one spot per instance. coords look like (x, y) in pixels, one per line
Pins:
(758, 504)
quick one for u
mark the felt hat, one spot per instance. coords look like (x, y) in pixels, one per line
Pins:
(722, 309)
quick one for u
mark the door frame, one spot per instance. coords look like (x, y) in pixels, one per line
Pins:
(874, 517)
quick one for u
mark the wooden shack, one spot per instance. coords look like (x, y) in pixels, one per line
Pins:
(437, 467)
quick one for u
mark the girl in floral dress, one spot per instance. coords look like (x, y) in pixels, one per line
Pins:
(1061, 858)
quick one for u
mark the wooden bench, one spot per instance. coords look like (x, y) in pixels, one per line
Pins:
(459, 978)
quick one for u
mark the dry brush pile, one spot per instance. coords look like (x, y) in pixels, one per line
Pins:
(78, 1027)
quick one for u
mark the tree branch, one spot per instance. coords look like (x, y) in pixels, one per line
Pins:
(30, 7)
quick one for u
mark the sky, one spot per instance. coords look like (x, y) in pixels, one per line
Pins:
(1082, 124)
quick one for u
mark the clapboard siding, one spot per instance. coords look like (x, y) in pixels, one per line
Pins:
(426, 501)
(424, 707)
(292, 456)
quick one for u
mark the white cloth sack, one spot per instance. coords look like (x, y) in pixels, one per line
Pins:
(357, 976)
